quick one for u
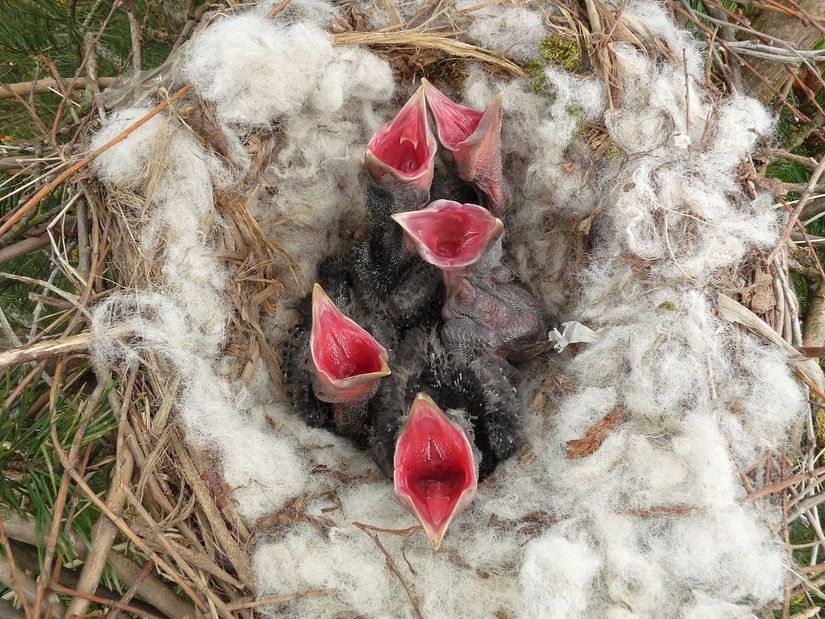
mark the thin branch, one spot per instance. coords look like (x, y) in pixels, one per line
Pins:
(248, 605)
(393, 567)
(105, 531)
(800, 206)
(48, 86)
(17, 584)
(46, 350)
(47, 189)
(121, 524)
(133, 590)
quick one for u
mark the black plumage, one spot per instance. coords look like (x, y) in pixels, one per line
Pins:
(388, 276)
(351, 421)
(447, 185)
(477, 395)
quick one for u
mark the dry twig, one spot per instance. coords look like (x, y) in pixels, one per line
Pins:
(393, 567)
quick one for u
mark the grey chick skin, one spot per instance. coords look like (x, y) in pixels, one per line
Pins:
(488, 309)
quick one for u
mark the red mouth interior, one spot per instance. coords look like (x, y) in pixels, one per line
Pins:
(455, 122)
(452, 233)
(434, 466)
(404, 145)
(342, 349)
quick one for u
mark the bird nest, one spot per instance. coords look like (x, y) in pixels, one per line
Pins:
(655, 455)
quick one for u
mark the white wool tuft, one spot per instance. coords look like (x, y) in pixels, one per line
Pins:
(556, 577)
(126, 161)
(255, 70)
(652, 523)
(269, 474)
(515, 32)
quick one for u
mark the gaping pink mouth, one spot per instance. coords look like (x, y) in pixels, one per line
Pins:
(454, 122)
(474, 138)
(349, 362)
(450, 235)
(406, 147)
(435, 473)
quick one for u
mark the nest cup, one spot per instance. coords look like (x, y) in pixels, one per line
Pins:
(625, 214)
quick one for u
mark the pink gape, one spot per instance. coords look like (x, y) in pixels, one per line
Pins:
(450, 235)
(486, 308)
(403, 151)
(474, 138)
(348, 362)
(435, 471)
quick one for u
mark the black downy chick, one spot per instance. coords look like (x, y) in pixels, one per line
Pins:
(400, 161)
(332, 366)
(388, 276)
(440, 426)
(375, 282)
(486, 308)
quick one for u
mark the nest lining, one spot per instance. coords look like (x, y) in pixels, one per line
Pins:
(264, 167)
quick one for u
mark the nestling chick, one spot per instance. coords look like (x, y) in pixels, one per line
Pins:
(332, 367)
(486, 308)
(388, 276)
(474, 140)
(436, 458)
(400, 155)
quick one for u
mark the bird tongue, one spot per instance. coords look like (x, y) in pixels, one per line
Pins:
(475, 140)
(348, 361)
(435, 473)
(405, 148)
(450, 235)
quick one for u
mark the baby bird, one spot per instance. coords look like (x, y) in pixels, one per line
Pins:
(485, 308)
(473, 139)
(441, 426)
(387, 275)
(332, 366)
(400, 156)
(400, 161)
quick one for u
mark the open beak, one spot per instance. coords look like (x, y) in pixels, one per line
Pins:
(348, 361)
(474, 138)
(450, 235)
(405, 148)
(435, 471)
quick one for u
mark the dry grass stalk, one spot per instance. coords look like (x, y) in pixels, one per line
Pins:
(393, 567)
(398, 41)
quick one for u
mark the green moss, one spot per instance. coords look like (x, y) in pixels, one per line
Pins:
(668, 306)
(562, 52)
(820, 426)
(535, 69)
(612, 153)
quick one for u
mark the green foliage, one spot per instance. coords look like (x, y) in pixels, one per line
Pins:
(34, 33)
(14, 295)
(32, 470)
